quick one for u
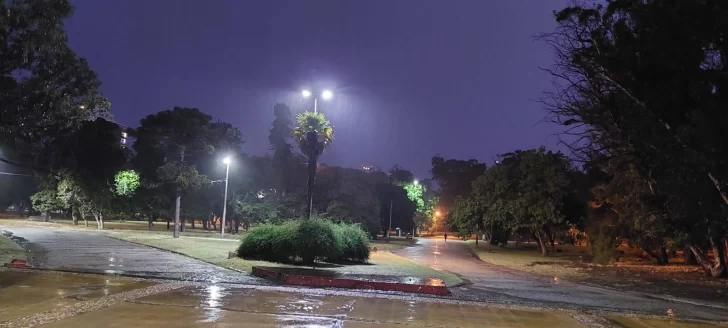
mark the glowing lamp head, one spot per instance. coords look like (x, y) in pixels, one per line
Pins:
(227, 160)
(327, 95)
(306, 93)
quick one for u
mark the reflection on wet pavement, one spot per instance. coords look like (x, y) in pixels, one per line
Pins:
(650, 323)
(23, 293)
(59, 250)
(197, 305)
(215, 304)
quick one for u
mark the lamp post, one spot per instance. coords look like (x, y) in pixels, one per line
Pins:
(227, 161)
(326, 95)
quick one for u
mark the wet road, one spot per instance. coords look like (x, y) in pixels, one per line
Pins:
(513, 286)
(65, 249)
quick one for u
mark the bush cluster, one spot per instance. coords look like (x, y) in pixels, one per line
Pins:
(306, 241)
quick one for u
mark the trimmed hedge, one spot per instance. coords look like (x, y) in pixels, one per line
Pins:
(306, 241)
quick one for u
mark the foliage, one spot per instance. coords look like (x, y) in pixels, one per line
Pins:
(306, 241)
(274, 243)
(349, 196)
(425, 203)
(313, 134)
(184, 177)
(316, 240)
(455, 178)
(46, 200)
(644, 91)
(126, 182)
(47, 91)
(527, 190)
(466, 216)
(353, 242)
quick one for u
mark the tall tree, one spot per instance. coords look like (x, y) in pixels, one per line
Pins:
(165, 144)
(641, 81)
(455, 177)
(313, 134)
(526, 190)
(280, 134)
(46, 90)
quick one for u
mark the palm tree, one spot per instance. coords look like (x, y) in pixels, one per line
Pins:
(313, 134)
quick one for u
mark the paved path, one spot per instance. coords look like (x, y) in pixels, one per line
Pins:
(66, 249)
(487, 279)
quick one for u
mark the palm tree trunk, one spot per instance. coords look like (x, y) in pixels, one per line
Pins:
(312, 159)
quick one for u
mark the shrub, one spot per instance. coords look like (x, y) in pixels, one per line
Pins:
(603, 244)
(353, 242)
(306, 241)
(316, 240)
(275, 243)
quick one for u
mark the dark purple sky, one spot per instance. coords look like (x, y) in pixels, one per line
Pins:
(412, 78)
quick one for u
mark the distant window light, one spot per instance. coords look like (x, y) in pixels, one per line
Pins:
(123, 135)
(123, 141)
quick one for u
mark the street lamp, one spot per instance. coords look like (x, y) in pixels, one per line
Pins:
(416, 182)
(326, 95)
(227, 161)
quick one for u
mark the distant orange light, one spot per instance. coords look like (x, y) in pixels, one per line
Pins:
(437, 213)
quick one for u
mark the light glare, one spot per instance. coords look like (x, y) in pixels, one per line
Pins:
(327, 95)
(306, 93)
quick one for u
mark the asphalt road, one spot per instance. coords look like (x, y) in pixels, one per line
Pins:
(514, 286)
(66, 249)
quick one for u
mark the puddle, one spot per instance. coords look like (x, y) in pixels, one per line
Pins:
(23, 293)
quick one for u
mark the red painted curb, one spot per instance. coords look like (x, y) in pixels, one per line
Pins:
(314, 281)
(18, 264)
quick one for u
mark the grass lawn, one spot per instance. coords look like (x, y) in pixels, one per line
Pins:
(632, 273)
(394, 244)
(142, 226)
(528, 258)
(216, 252)
(10, 250)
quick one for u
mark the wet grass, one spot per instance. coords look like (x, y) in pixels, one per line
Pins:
(394, 244)
(9, 250)
(216, 252)
(528, 258)
(634, 272)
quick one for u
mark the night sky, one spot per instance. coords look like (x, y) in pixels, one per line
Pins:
(411, 78)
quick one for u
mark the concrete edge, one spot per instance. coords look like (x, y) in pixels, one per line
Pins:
(346, 283)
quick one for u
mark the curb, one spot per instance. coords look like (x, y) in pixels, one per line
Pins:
(316, 281)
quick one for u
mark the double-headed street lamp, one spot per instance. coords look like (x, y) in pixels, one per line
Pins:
(227, 162)
(326, 95)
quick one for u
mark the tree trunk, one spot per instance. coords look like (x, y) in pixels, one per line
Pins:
(74, 217)
(167, 223)
(661, 255)
(719, 267)
(688, 256)
(214, 224)
(183, 223)
(98, 222)
(177, 202)
(83, 216)
(705, 262)
(312, 159)
(193, 223)
(101, 219)
(542, 244)
(552, 238)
